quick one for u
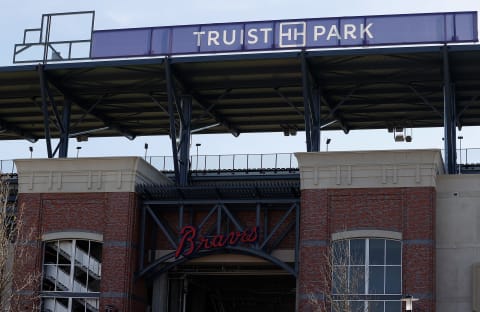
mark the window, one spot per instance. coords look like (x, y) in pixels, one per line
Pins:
(71, 276)
(367, 275)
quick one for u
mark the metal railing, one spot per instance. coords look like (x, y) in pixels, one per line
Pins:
(230, 162)
(281, 161)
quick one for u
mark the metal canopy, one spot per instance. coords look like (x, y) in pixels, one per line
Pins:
(261, 92)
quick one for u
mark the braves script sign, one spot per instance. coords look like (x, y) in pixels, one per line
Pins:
(289, 34)
(191, 242)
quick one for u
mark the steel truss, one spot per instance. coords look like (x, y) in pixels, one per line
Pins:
(276, 218)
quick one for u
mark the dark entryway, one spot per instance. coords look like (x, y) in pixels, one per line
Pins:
(232, 293)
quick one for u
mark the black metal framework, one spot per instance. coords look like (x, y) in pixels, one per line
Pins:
(311, 102)
(449, 116)
(275, 211)
(388, 88)
(51, 48)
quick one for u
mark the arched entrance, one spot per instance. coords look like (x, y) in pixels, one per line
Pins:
(228, 248)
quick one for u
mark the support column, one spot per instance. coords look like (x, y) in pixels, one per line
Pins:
(63, 153)
(316, 136)
(449, 116)
(185, 129)
(46, 116)
(160, 294)
(311, 103)
(171, 113)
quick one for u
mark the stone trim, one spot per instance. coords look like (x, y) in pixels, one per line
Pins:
(72, 235)
(367, 234)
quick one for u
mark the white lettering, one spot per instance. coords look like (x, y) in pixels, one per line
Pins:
(265, 34)
(199, 35)
(333, 32)
(252, 36)
(366, 30)
(349, 30)
(232, 40)
(213, 36)
(295, 35)
(242, 34)
(318, 31)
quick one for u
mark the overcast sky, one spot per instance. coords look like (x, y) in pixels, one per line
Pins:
(21, 14)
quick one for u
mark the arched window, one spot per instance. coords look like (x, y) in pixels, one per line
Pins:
(366, 275)
(72, 272)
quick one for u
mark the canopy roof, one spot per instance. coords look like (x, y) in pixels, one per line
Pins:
(368, 88)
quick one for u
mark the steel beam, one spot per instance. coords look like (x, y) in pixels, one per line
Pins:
(185, 130)
(449, 116)
(311, 102)
(79, 102)
(46, 116)
(171, 114)
(65, 134)
(199, 100)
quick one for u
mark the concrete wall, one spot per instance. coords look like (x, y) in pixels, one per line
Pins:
(458, 240)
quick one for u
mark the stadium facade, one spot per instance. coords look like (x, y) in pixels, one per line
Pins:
(359, 230)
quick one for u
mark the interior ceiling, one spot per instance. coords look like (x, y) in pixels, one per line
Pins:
(258, 92)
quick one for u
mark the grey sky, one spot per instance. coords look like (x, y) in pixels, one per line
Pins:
(21, 14)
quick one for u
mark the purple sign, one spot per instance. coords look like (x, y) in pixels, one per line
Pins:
(288, 34)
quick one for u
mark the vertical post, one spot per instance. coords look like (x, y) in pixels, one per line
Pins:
(449, 116)
(185, 129)
(141, 256)
(297, 236)
(306, 101)
(63, 153)
(173, 131)
(46, 116)
(315, 128)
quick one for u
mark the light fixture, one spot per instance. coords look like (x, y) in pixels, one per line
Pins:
(146, 149)
(293, 131)
(409, 299)
(197, 145)
(328, 142)
(82, 138)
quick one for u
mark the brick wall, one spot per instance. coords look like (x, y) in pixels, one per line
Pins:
(113, 215)
(410, 211)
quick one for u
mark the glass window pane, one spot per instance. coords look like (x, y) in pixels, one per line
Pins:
(375, 280)
(51, 253)
(357, 251)
(393, 306)
(357, 280)
(340, 280)
(339, 306)
(393, 280)
(64, 252)
(394, 252)
(357, 306)
(340, 252)
(375, 306)
(64, 258)
(377, 251)
(80, 280)
(78, 305)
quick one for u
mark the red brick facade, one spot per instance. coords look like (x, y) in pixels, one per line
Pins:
(409, 211)
(113, 215)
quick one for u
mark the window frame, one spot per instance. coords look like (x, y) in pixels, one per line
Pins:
(346, 264)
(73, 293)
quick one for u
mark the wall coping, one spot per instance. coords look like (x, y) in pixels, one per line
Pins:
(78, 175)
(370, 169)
